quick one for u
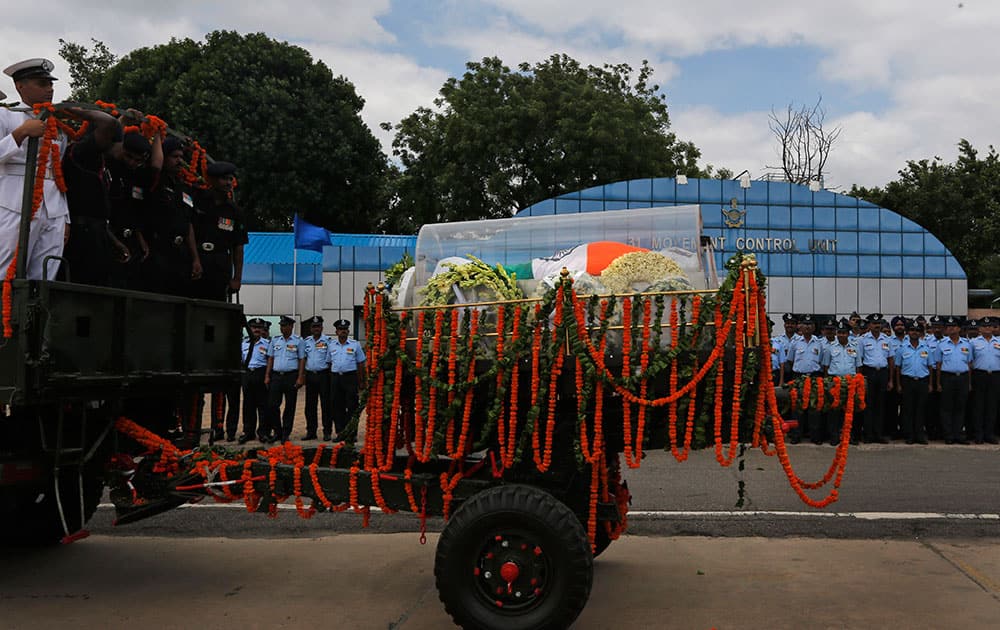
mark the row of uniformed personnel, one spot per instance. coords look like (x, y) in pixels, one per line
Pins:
(918, 379)
(330, 369)
(127, 218)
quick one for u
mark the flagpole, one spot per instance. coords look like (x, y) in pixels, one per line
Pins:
(295, 274)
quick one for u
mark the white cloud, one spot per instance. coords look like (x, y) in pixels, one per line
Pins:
(935, 63)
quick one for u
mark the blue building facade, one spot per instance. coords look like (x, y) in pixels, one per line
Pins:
(823, 252)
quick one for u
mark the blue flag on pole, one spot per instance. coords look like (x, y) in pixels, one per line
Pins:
(309, 236)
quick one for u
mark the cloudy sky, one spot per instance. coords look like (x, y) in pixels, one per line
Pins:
(904, 79)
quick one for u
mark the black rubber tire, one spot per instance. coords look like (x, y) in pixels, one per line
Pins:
(29, 515)
(522, 513)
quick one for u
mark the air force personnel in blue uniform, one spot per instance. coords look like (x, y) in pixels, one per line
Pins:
(840, 358)
(804, 355)
(254, 390)
(874, 349)
(985, 382)
(317, 348)
(347, 360)
(915, 366)
(954, 380)
(285, 375)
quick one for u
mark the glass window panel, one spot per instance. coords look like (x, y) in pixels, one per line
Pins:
(847, 242)
(567, 206)
(665, 189)
(802, 218)
(542, 208)
(710, 191)
(282, 274)
(847, 218)
(710, 216)
(891, 242)
(802, 264)
(913, 243)
(617, 191)
(868, 266)
(781, 217)
(825, 218)
(825, 265)
(934, 266)
(846, 201)
(801, 195)
(756, 216)
(890, 220)
(779, 193)
(865, 204)
(910, 226)
(847, 266)
(824, 198)
(892, 266)
(640, 190)
(591, 205)
(932, 245)
(780, 264)
(615, 205)
(913, 266)
(868, 243)
(639, 204)
(331, 258)
(728, 190)
(757, 193)
(868, 219)
(953, 269)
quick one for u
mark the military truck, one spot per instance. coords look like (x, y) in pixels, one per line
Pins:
(73, 359)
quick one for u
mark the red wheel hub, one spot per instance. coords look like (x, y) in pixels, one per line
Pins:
(509, 572)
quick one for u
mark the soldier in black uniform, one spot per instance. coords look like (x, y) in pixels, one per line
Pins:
(220, 234)
(91, 246)
(132, 173)
(173, 258)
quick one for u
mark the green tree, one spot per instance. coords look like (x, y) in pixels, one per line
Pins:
(499, 140)
(291, 126)
(87, 68)
(959, 203)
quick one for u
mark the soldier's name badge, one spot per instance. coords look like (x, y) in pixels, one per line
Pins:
(188, 201)
(137, 192)
(945, 350)
(225, 224)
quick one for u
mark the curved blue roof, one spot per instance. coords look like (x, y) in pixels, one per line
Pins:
(830, 234)
(269, 256)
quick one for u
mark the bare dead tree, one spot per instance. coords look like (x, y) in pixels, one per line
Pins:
(804, 144)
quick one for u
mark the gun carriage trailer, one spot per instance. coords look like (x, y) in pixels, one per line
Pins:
(509, 406)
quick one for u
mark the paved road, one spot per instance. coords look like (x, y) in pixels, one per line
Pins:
(914, 542)
(385, 581)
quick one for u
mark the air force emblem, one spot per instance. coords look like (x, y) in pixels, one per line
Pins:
(733, 216)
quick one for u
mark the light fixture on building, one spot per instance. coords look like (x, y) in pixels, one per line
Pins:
(745, 180)
(682, 179)
(815, 185)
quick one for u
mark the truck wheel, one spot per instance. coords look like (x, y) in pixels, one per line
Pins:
(513, 557)
(30, 516)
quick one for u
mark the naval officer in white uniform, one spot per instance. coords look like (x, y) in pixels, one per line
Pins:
(33, 82)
